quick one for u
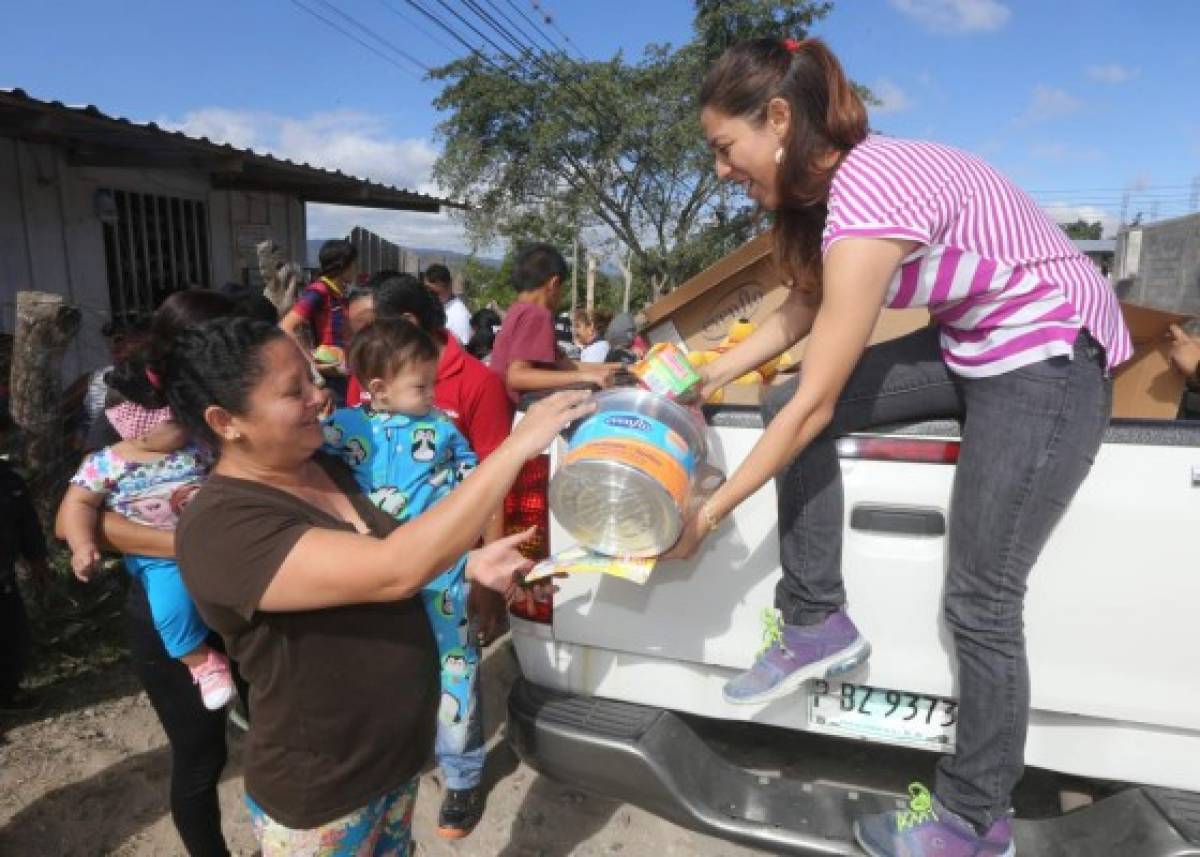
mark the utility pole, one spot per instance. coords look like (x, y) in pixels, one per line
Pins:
(574, 272)
(1125, 206)
(591, 282)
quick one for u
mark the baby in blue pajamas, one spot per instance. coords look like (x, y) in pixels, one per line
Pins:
(406, 456)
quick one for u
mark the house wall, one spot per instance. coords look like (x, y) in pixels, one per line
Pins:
(1158, 265)
(52, 240)
(240, 219)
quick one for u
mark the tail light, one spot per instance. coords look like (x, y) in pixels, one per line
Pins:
(527, 505)
(922, 450)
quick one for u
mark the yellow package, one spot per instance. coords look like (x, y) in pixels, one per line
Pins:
(578, 560)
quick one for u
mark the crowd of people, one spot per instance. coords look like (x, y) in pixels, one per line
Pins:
(359, 572)
(310, 507)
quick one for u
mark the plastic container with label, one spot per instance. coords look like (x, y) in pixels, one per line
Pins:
(628, 474)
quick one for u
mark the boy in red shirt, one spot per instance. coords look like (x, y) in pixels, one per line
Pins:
(525, 355)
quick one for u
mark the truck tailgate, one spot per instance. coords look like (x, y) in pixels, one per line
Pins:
(1111, 614)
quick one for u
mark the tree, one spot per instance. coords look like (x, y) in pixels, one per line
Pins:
(1081, 229)
(608, 149)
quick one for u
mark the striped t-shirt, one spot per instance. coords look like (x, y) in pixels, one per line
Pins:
(1003, 281)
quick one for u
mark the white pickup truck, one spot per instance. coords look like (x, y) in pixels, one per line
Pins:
(619, 680)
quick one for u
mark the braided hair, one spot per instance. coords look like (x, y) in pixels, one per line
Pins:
(217, 363)
(138, 375)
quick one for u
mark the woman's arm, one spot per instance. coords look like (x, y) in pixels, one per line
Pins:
(856, 277)
(327, 567)
(123, 535)
(779, 331)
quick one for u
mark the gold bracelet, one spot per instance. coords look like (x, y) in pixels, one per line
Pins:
(710, 519)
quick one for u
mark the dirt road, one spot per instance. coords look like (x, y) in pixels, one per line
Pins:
(88, 776)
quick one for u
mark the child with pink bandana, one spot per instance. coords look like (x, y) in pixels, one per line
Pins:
(148, 478)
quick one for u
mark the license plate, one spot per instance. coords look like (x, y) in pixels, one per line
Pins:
(878, 714)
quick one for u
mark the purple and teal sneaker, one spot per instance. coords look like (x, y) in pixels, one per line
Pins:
(794, 654)
(928, 829)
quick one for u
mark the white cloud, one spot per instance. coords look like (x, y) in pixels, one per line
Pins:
(1058, 151)
(892, 99)
(355, 143)
(1111, 73)
(406, 228)
(1064, 212)
(956, 16)
(1049, 102)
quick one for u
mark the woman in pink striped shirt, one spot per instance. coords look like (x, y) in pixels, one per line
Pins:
(1026, 334)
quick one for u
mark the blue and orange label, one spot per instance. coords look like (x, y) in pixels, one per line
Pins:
(639, 441)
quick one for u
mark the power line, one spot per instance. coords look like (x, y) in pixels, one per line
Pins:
(508, 19)
(572, 177)
(416, 25)
(579, 171)
(536, 29)
(1128, 188)
(598, 111)
(549, 19)
(383, 56)
(601, 115)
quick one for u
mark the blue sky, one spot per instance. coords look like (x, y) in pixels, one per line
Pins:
(1077, 101)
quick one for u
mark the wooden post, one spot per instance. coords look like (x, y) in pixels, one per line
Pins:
(591, 282)
(45, 326)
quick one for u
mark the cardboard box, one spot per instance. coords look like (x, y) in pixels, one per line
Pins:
(1146, 386)
(746, 284)
(743, 285)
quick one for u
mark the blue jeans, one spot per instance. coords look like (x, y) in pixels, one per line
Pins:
(175, 616)
(1029, 438)
(459, 745)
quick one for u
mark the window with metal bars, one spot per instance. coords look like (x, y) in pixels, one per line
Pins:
(154, 246)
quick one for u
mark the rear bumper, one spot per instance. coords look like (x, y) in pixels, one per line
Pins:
(650, 757)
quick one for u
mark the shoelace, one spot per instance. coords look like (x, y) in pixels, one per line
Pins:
(920, 808)
(772, 627)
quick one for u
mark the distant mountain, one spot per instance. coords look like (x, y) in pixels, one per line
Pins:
(450, 258)
(427, 256)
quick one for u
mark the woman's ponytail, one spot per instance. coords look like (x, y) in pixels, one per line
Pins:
(828, 119)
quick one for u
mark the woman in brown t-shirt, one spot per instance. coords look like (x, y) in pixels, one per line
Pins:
(315, 590)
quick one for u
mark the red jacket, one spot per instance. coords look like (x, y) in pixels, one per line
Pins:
(474, 397)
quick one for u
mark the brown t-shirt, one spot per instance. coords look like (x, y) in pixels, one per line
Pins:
(526, 334)
(343, 701)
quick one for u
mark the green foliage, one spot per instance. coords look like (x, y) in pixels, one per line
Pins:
(555, 148)
(487, 285)
(1082, 230)
(722, 23)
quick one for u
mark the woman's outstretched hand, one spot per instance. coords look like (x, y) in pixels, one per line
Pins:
(499, 565)
(695, 528)
(545, 419)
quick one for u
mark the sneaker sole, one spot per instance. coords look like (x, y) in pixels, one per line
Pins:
(453, 833)
(871, 851)
(845, 661)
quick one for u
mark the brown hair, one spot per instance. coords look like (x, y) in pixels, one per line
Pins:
(828, 117)
(386, 346)
(597, 319)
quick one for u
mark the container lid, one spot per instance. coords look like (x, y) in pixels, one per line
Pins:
(614, 508)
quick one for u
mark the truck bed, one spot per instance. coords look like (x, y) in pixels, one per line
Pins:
(1111, 612)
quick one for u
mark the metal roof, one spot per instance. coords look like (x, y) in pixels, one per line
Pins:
(93, 138)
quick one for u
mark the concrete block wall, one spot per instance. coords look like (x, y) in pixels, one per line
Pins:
(1161, 267)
